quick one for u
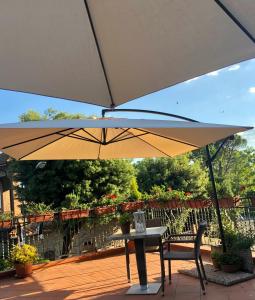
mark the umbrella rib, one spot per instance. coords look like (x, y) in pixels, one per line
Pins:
(99, 52)
(128, 137)
(37, 149)
(150, 144)
(235, 20)
(168, 138)
(118, 135)
(37, 138)
(73, 136)
(93, 137)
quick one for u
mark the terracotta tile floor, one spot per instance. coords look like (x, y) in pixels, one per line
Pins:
(105, 279)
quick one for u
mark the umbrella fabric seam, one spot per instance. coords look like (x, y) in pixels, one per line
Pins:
(61, 137)
(37, 138)
(171, 139)
(152, 146)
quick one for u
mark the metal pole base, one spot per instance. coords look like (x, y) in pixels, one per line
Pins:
(150, 289)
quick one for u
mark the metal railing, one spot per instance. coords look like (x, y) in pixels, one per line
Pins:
(58, 239)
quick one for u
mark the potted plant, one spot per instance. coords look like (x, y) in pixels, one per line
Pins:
(125, 222)
(73, 208)
(132, 205)
(215, 259)
(168, 199)
(242, 247)
(5, 220)
(230, 262)
(106, 205)
(38, 212)
(23, 257)
(5, 264)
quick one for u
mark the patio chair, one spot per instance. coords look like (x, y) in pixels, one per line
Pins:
(151, 245)
(195, 254)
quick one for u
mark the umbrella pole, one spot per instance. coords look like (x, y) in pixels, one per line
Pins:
(215, 196)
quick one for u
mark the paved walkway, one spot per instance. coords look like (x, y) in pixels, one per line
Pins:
(105, 279)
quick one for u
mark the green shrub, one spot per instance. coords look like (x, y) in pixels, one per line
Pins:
(36, 208)
(5, 216)
(216, 256)
(229, 259)
(125, 218)
(22, 254)
(5, 264)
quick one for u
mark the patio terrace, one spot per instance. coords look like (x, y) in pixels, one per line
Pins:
(105, 279)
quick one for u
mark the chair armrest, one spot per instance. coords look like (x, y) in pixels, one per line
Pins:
(179, 241)
(182, 235)
(181, 238)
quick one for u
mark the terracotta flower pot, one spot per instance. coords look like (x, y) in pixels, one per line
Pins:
(73, 214)
(132, 206)
(172, 204)
(229, 202)
(154, 204)
(230, 268)
(40, 218)
(5, 224)
(103, 210)
(23, 270)
(125, 228)
(197, 203)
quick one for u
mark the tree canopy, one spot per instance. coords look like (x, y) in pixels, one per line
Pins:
(180, 173)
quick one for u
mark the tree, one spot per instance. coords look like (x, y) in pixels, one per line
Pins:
(88, 179)
(180, 173)
(234, 165)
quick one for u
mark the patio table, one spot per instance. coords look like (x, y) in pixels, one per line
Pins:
(139, 241)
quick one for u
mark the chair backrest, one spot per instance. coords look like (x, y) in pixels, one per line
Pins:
(152, 242)
(198, 240)
(153, 223)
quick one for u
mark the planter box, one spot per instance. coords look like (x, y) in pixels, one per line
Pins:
(197, 203)
(172, 204)
(228, 202)
(5, 224)
(132, 206)
(40, 218)
(103, 210)
(73, 214)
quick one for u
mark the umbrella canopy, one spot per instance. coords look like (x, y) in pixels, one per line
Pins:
(107, 52)
(108, 138)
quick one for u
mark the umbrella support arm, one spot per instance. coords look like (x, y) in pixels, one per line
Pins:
(210, 159)
(104, 111)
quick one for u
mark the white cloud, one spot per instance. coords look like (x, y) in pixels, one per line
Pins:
(252, 90)
(214, 73)
(192, 79)
(234, 68)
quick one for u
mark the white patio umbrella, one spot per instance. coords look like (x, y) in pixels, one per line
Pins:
(108, 52)
(108, 138)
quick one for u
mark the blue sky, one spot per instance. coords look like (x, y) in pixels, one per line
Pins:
(226, 96)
